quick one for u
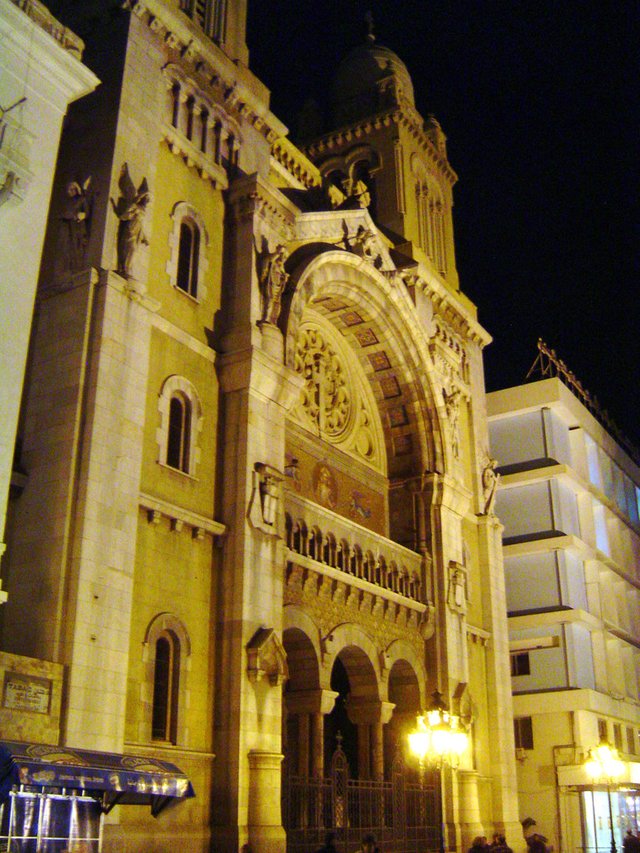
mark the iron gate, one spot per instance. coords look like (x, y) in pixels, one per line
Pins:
(401, 813)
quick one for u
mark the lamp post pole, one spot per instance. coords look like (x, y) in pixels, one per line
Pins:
(604, 763)
(613, 838)
(440, 738)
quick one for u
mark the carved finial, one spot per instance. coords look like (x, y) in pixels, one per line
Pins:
(339, 739)
(368, 18)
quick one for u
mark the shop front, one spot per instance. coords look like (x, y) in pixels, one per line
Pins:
(52, 799)
(595, 815)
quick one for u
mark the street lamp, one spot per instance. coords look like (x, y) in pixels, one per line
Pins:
(604, 763)
(438, 739)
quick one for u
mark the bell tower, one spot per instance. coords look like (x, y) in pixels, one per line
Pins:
(379, 141)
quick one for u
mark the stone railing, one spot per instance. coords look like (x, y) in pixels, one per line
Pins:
(326, 538)
(41, 16)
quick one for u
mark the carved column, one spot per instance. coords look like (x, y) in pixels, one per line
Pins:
(313, 705)
(364, 754)
(377, 750)
(370, 717)
(303, 745)
(317, 743)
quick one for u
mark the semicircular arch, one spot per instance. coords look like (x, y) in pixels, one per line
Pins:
(347, 636)
(379, 321)
(400, 651)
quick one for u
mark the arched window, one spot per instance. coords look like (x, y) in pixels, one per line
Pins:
(204, 128)
(191, 108)
(164, 689)
(187, 264)
(179, 437)
(188, 257)
(166, 685)
(175, 104)
(180, 423)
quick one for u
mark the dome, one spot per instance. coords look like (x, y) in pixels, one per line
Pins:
(355, 91)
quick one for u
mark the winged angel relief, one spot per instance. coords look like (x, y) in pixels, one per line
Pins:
(130, 209)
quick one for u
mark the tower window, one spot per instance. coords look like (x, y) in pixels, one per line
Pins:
(166, 682)
(188, 257)
(179, 437)
(179, 425)
(188, 241)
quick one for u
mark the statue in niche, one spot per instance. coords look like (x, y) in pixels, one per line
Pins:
(356, 192)
(458, 594)
(363, 243)
(452, 407)
(490, 480)
(130, 210)
(76, 225)
(273, 279)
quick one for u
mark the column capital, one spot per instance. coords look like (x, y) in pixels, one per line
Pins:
(446, 492)
(310, 701)
(367, 711)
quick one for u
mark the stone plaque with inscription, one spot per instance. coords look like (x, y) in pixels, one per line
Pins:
(26, 693)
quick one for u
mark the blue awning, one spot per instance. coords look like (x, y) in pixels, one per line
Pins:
(126, 779)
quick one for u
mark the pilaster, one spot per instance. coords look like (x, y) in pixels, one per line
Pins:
(257, 390)
(500, 708)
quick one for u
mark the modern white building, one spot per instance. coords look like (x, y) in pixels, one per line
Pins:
(569, 500)
(40, 74)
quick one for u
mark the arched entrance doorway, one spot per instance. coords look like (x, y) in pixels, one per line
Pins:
(340, 775)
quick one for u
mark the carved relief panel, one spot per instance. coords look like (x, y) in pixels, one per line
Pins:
(336, 404)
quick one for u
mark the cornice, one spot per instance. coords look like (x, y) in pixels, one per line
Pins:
(295, 162)
(448, 307)
(212, 67)
(252, 196)
(404, 116)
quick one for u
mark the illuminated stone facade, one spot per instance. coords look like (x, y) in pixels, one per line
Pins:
(256, 444)
(40, 74)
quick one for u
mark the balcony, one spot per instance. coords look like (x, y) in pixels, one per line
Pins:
(366, 562)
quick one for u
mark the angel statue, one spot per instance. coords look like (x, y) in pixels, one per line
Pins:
(130, 210)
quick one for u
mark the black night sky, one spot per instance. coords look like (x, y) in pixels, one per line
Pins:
(539, 100)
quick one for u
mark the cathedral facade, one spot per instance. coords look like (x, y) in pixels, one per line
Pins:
(257, 530)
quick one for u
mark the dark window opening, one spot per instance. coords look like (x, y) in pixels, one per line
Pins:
(523, 732)
(165, 689)
(179, 437)
(520, 664)
(188, 257)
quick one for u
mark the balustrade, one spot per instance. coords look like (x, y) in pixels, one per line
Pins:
(331, 540)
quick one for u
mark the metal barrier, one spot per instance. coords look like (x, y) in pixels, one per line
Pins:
(400, 812)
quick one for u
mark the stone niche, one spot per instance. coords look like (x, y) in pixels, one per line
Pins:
(30, 699)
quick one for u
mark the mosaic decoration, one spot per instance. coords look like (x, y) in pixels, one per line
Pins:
(398, 416)
(352, 318)
(325, 486)
(330, 303)
(390, 387)
(379, 361)
(402, 445)
(292, 471)
(366, 338)
(359, 507)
